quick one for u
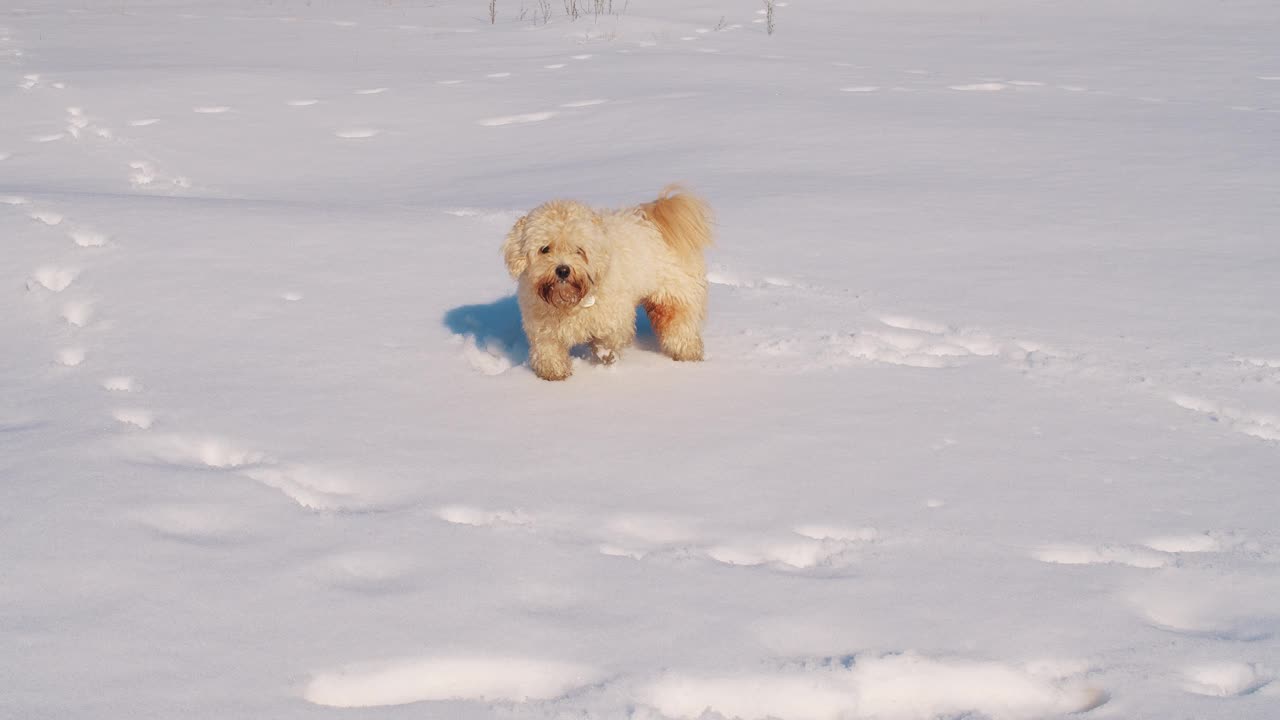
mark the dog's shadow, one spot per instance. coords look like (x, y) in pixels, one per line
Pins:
(495, 327)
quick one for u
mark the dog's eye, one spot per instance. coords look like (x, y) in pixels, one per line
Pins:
(582, 252)
(545, 249)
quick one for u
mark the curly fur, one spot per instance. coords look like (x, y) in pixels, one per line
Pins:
(582, 272)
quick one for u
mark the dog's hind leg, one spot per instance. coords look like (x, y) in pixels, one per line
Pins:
(608, 348)
(678, 325)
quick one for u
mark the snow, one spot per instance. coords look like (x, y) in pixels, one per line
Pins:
(989, 425)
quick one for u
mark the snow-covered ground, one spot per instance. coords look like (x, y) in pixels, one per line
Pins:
(989, 427)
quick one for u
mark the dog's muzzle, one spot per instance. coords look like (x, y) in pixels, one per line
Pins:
(564, 291)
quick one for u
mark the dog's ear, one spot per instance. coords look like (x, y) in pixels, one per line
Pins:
(513, 250)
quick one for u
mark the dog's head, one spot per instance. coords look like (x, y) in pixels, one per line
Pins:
(560, 248)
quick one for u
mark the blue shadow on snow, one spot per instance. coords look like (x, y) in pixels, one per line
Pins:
(496, 327)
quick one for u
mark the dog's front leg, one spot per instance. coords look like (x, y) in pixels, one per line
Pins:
(550, 359)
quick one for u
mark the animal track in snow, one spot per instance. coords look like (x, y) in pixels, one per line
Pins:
(554, 66)
(77, 313)
(517, 119)
(372, 91)
(904, 686)
(47, 217)
(1237, 607)
(70, 357)
(357, 133)
(144, 174)
(136, 417)
(491, 359)
(1102, 555)
(191, 451)
(120, 383)
(910, 348)
(902, 322)
(811, 549)
(86, 238)
(1226, 679)
(980, 87)
(306, 102)
(319, 488)
(804, 551)
(498, 75)
(211, 109)
(1265, 426)
(476, 517)
(581, 57)
(53, 279)
(1195, 543)
(452, 677)
(1258, 362)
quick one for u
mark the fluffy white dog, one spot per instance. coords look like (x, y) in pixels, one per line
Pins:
(582, 272)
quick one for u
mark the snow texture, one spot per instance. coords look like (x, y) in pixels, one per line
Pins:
(989, 425)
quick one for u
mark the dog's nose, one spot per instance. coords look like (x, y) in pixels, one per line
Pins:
(562, 272)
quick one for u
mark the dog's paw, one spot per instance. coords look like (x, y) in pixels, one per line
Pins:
(686, 352)
(553, 372)
(605, 355)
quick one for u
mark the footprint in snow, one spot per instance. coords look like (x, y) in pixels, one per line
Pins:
(1138, 557)
(980, 87)
(474, 677)
(357, 133)
(48, 218)
(86, 238)
(1226, 679)
(120, 383)
(53, 279)
(77, 313)
(516, 119)
(135, 417)
(904, 685)
(70, 357)
(1234, 607)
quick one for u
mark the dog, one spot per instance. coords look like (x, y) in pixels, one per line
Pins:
(582, 272)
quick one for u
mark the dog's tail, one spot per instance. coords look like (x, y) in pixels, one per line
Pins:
(683, 219)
